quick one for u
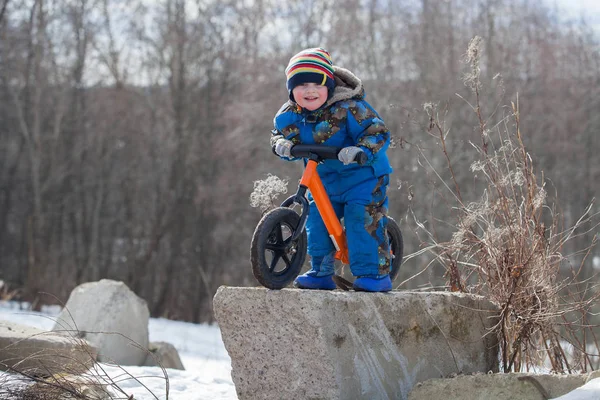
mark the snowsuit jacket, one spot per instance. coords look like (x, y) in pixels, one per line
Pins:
(346, 119)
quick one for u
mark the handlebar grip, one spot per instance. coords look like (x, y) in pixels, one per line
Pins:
(323, 152)
(361, 158)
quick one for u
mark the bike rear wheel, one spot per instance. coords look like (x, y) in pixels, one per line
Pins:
(396, 247)
(277, 259)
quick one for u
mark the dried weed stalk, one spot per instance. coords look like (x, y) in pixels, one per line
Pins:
(81, 377)
(6, 293)
(266, 192)
(507, 246)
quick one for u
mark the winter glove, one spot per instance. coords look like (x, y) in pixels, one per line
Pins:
(347, 154)
(282, 147)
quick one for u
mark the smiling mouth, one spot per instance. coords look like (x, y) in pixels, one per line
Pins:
(310, 98)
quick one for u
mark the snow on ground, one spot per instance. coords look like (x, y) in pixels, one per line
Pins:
(589, 391)
(208, 366)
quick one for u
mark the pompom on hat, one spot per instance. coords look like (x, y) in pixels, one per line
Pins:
(310, 65)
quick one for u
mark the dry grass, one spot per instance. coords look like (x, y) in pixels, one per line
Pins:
(6, 293)
(508, 246)
(266, 191)
(80, 376)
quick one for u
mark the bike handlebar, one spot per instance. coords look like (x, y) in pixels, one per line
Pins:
(321, 152)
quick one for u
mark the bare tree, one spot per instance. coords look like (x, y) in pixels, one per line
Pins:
(3, 9)
(131, 137)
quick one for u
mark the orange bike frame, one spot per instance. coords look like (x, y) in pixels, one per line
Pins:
(312, 180)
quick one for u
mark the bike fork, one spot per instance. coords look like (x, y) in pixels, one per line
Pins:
(298, 198)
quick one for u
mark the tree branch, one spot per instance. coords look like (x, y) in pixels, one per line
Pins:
(3, 9)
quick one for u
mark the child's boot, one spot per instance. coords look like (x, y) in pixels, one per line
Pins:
(320, 276)
(307, 281)
(373, 284)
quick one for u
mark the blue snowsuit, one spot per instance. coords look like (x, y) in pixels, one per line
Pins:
(357, 193)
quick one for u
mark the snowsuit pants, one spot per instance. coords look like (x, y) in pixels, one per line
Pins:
(363, 207)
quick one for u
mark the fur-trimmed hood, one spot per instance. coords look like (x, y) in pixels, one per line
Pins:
(347, 86)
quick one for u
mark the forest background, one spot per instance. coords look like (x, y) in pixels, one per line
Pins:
(132, 132)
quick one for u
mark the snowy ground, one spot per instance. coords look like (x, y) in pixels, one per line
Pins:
(208, 366)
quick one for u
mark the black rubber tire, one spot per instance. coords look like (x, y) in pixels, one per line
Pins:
(276, 260)
(396, 247)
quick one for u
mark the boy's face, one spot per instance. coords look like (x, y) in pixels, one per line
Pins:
(310, 96)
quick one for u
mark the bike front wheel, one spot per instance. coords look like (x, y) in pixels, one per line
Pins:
(277, 259)
(396, 246)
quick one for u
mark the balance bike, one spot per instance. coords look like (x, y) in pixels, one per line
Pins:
(278, 248)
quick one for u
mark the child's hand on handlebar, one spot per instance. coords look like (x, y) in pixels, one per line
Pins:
(348, 154)
(282, 147)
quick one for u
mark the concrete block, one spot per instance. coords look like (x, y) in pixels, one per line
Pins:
(32, 351)
(111, 317)
(292, 344)
(522, 386)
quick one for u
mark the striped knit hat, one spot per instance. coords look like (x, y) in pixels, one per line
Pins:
(310, 65)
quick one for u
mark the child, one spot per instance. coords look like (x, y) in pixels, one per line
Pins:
(327, 107)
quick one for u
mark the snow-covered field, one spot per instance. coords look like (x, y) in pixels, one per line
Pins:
(208, 366)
